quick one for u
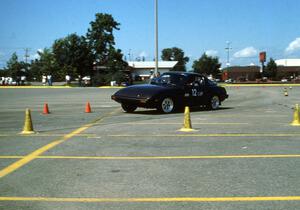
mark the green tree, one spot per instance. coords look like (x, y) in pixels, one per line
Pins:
(79, 55)
(108, 60)
(14, 66)
(46, 64)
(73, 55)
(4, 72)
(116, 65)
(175, 54)
(100, 37)
(271, 69)
(207, 65)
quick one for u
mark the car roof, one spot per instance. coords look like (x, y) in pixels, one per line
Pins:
(183, 73)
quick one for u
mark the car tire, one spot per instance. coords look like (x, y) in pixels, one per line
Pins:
(214, 103)
(166, 105)
(128, 108)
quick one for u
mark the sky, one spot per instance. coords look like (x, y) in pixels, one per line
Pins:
(195, 26)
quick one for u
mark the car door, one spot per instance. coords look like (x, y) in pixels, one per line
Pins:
(198, 90)
(194, 90)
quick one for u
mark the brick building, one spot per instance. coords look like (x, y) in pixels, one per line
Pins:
(241, 73)
(251, 73)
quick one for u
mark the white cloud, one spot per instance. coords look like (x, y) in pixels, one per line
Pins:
(293, 46)
(247, 52)
(211, 52)
(36, 55)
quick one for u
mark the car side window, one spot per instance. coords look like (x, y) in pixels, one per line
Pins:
(190, 80)
(200, 80)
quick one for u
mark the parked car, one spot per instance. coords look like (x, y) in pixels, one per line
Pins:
(170, 91)
(229, 81)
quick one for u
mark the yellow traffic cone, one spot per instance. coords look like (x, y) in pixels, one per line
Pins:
(28, 128)
(286, 92)
(187, 125)
(296, 121)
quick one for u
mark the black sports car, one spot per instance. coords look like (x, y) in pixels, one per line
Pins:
(170, 91)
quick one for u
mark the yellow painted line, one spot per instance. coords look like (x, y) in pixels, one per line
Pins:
(244, 116)
(167, 123)
(111, 87)
(32, 87)
(212, 135)
(259, 85)
(28, 158)
(117, 87)
(159, 157)
(18, 164)
(155, 200)
(44, 135)
(171, 157)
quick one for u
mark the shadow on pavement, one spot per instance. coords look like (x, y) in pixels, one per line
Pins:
(193, 109)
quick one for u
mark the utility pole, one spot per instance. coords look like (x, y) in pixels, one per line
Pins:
(156, 38)
(129, 55)
(228, 48)
(26, 54)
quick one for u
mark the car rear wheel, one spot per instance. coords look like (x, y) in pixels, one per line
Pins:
(166, 105)
(214, 103)
(128, 108)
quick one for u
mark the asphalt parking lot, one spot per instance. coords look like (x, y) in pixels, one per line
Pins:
(243, 156)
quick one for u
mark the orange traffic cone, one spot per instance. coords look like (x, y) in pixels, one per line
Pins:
(88, 108)
(46, 109)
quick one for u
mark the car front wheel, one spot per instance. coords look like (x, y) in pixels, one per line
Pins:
(166, 105)
(214, 103)
(128, 108)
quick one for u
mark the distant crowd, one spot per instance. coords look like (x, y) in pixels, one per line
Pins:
(46, 80)
(9, 81)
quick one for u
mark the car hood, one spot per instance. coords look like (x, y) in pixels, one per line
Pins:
(141, 91)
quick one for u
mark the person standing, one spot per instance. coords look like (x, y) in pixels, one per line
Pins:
(49, 79)
(18, 80)
(68, 79)
(2, 80)
(23, 79)
(44, 79)
(79, 80)
(6, 81)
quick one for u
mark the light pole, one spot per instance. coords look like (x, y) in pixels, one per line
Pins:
(228, 48)
(156, 38)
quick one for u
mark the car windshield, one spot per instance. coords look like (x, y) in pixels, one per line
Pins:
(169, 79)
(211, 83)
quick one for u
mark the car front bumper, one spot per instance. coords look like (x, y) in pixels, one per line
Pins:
(139, 102)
